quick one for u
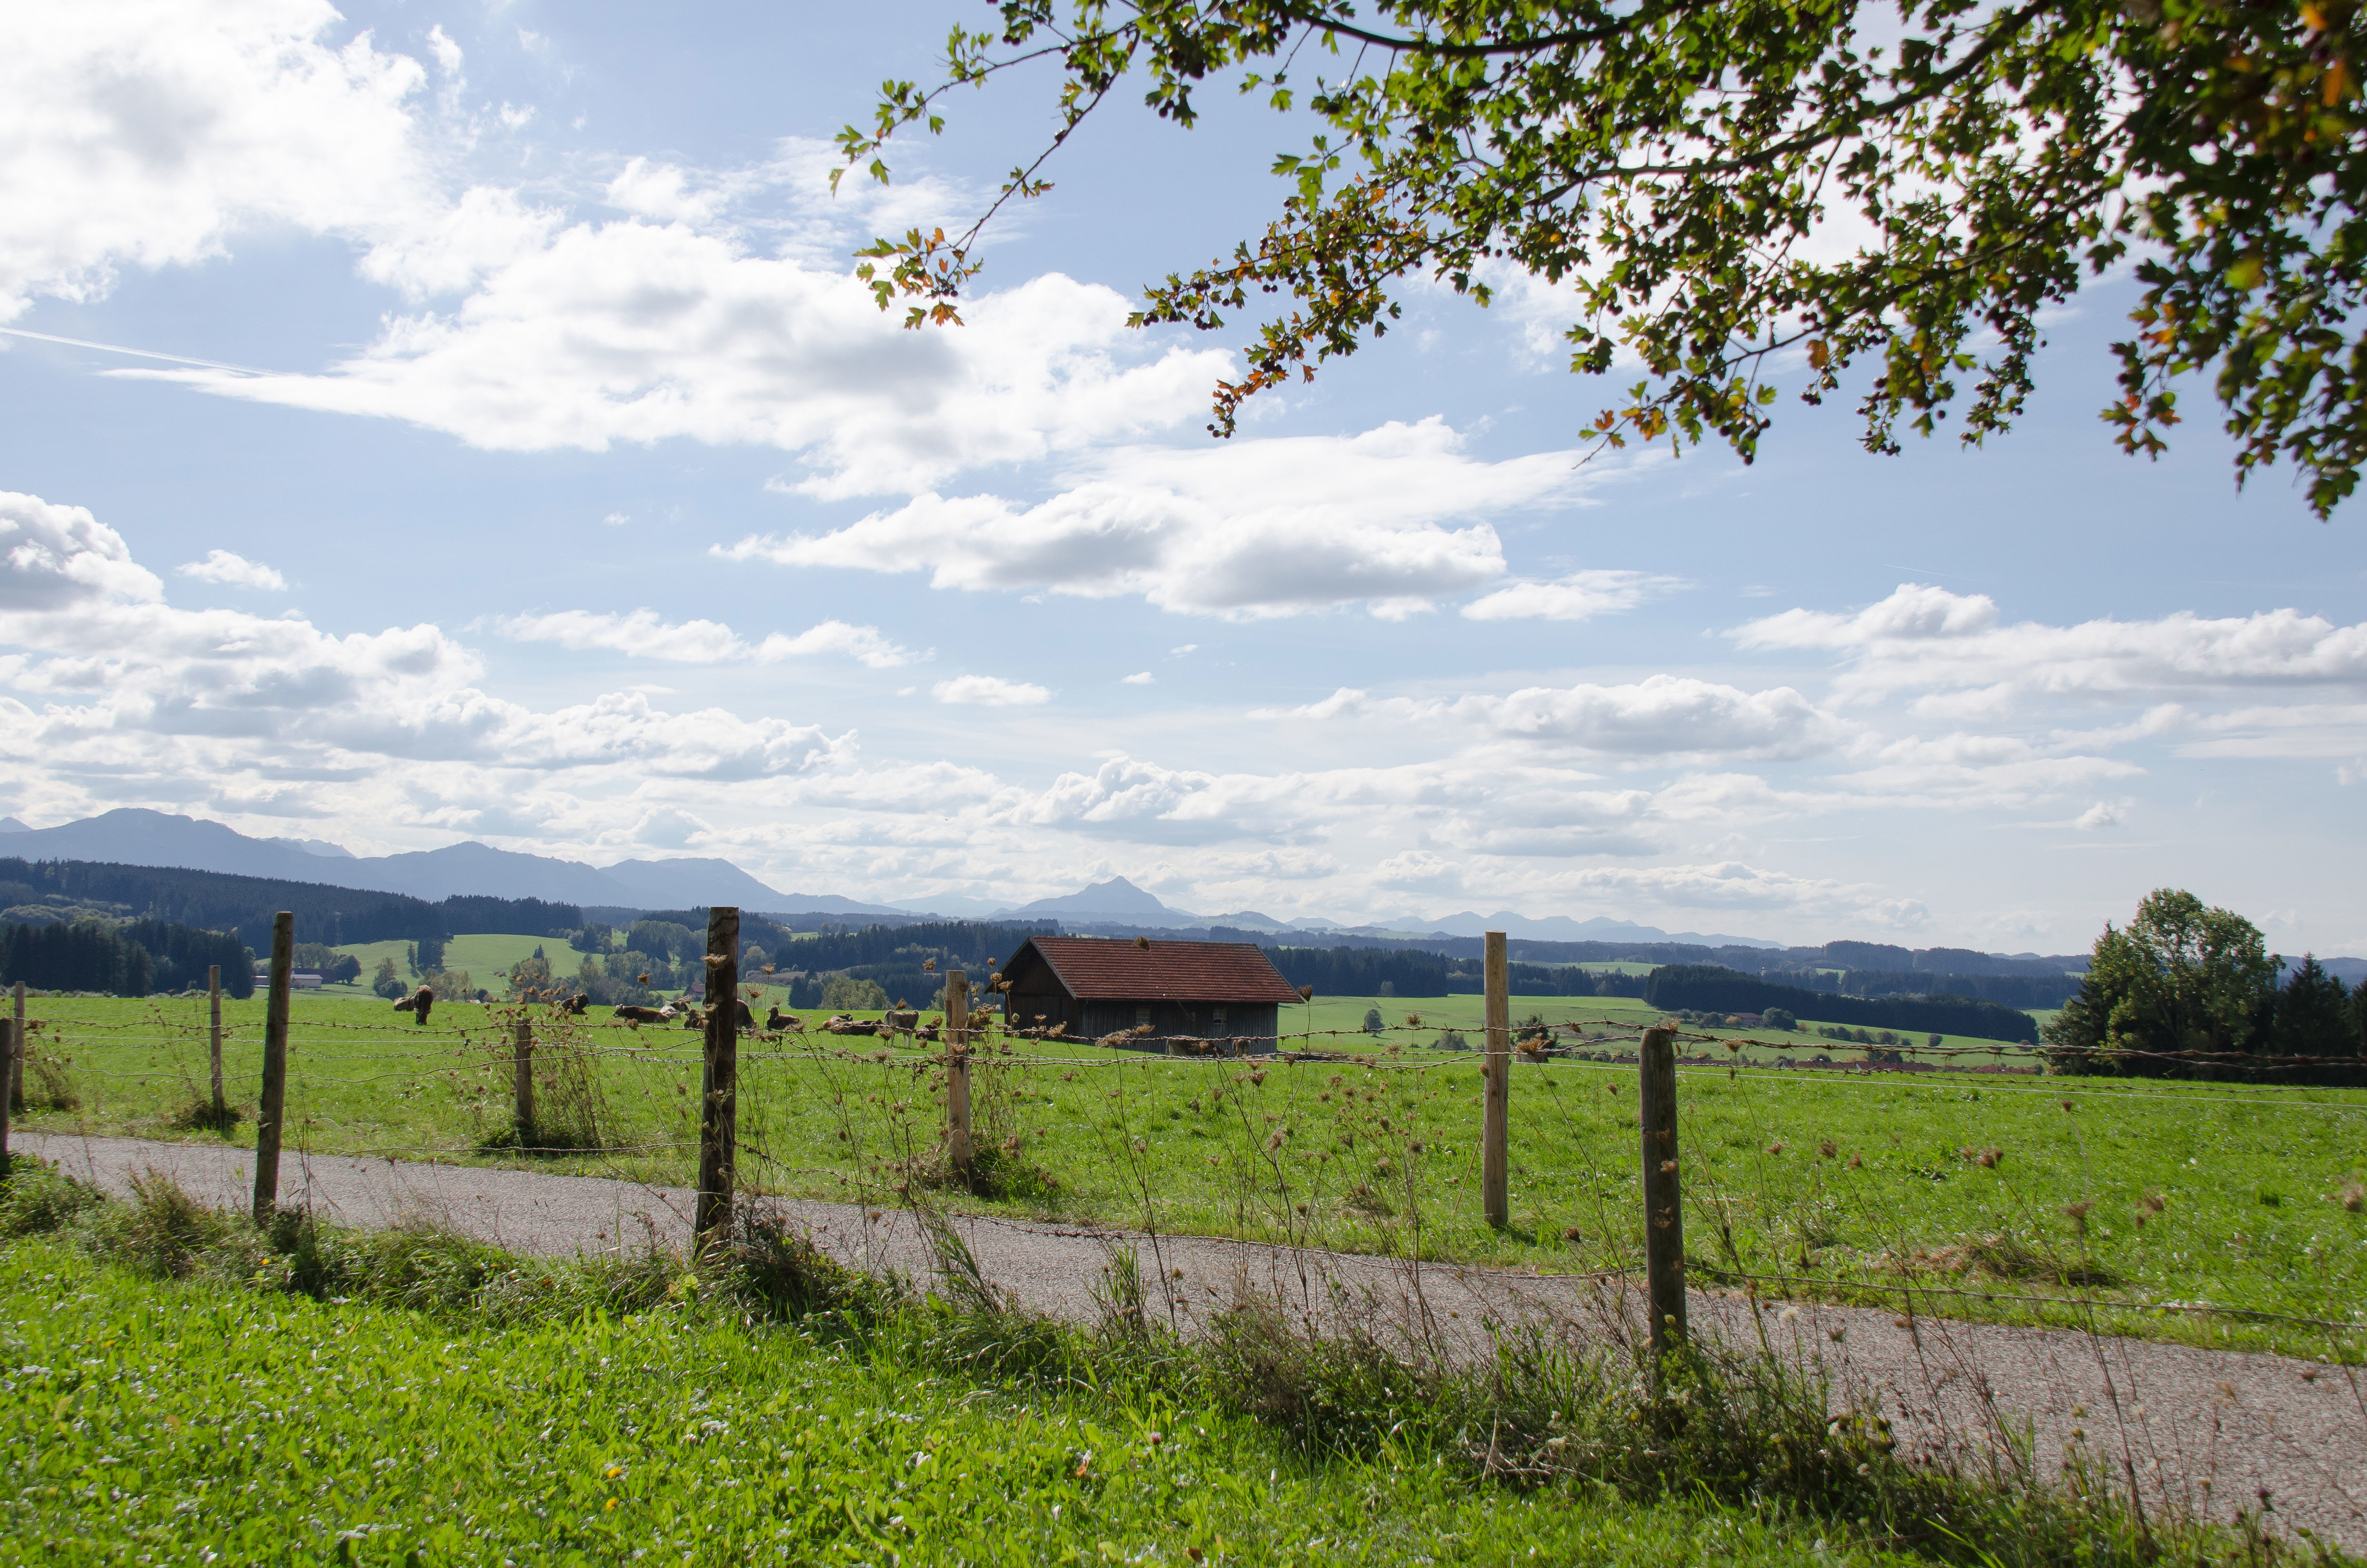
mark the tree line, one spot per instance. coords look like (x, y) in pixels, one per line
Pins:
(334, 916)
(1711, 988)
(138, 958)
(2010, 990)
(2190, 990)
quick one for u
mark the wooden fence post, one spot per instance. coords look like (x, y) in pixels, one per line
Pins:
(15, 1077)
(958, 1147)
(718, 1098)
(213, 1044)
(523, 1082)
(10, 1033)
(1664, 1215)
(1495, 1153)
(274, 1103)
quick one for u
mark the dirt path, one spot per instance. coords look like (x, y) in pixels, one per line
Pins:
(2216, 1429)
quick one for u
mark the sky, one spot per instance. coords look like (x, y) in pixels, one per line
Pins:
(426, 422)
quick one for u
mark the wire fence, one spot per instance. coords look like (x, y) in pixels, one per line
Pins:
(1925, 1172)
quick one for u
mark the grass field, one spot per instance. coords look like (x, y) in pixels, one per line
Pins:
(487, 958)
(186, 1387)
(2132, 1199)
(153, 1422)
(1466, 1015)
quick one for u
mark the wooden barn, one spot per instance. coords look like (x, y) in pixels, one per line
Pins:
(1228, 995)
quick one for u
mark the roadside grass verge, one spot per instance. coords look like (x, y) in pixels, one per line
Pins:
(183, 1386)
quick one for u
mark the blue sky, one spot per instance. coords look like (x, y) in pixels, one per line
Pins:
(583, 503)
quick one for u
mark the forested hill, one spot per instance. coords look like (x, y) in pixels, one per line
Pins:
(1710, 988)
(220, 902)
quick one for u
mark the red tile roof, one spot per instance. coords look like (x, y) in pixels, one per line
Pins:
(1114, 968)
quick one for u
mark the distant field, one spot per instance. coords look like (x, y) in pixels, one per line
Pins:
(1383, 1156)
(1344, 1017)
(487, 958)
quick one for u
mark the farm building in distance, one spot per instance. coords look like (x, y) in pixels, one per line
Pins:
(1099, 986)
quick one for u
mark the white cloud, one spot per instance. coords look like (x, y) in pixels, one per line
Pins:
(114, 682)
(662, 191)
(1931, 637)
(1251, 528)
(148, 134)
(58, 558)
(2102, 814)
(990, 691)
(862, 642)
(447, 52)
(1141, 677)
(1348, 701)
(644, 634)
(1581, 595)
(143, 134)
(637, 331)
(1663, 717)
(233, 571)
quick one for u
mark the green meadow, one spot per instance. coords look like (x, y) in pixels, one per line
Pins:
(2068, 1200)
(184, 1389)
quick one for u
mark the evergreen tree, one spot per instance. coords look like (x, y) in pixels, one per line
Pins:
(2313, 1015)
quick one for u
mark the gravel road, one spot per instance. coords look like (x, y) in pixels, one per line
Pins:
(2218, 1430)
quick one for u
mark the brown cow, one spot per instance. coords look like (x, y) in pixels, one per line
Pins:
(419, 1003)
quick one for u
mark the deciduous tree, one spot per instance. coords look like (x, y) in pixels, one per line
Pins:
(1876, 201)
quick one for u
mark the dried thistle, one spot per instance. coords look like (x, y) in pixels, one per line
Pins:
(1828, 1149)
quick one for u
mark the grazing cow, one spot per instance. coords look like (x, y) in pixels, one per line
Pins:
(574, 1006)
(419, 1003)
(632, 1015)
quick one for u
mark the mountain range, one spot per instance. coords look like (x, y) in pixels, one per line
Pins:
(135, 836)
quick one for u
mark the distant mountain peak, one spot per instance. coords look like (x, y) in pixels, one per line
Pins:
(1115, 896)
(10, 824)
